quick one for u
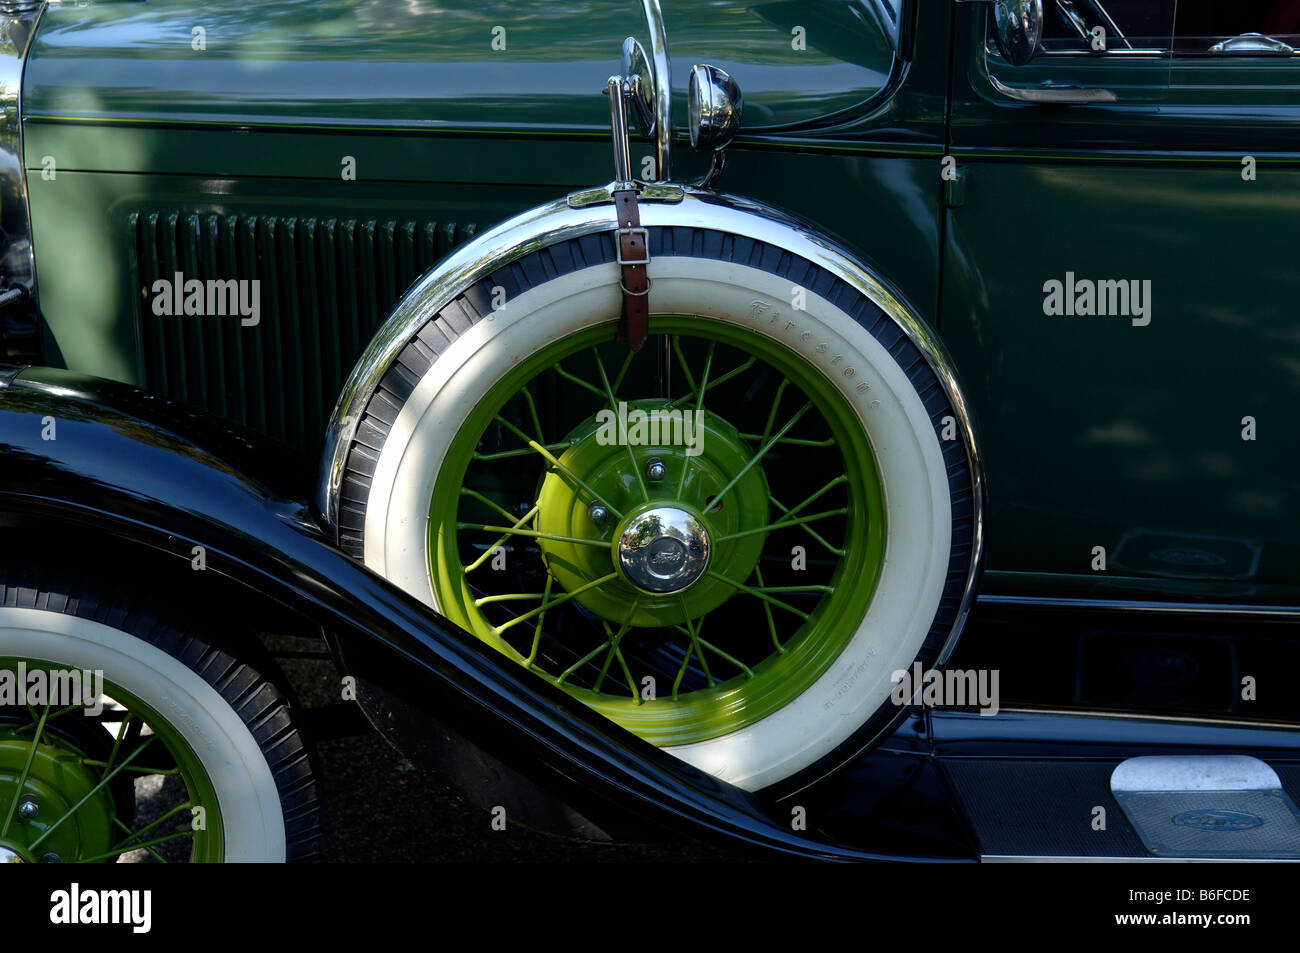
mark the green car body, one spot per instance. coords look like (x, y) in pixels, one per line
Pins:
(339, 149)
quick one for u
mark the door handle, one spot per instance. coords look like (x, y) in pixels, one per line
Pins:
(1047, 93)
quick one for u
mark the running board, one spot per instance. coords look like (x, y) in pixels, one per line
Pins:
(1222, 807)
(1102, 790)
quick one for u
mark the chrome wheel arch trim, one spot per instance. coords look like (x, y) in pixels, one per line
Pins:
(560, 221)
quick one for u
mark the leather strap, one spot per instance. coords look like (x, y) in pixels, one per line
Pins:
(631, 241)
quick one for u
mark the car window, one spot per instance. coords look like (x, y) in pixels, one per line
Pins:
(1251, 28)
(1107, 26)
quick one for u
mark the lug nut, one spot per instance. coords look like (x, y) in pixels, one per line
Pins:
(598, 513)
(28, 808)
(655, 470)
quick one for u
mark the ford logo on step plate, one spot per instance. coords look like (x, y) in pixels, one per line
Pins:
(1218, 820)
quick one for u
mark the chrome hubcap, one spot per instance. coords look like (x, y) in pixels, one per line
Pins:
(663, 549)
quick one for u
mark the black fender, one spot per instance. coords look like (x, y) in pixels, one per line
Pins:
(111, 458)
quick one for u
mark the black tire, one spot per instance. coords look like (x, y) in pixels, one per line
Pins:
(112, 618)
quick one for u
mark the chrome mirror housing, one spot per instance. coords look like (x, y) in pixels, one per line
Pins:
(714, 103)
(639, 76)
(1018, 28)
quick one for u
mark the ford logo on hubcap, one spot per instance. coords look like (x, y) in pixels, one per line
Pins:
(662, 550)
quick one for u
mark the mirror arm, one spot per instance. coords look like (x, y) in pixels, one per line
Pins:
(614, 89)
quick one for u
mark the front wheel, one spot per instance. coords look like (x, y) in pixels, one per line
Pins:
(727, 542)
(127, 733)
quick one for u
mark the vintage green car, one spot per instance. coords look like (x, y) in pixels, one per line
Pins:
(950, 300)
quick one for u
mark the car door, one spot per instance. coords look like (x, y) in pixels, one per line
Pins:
(1117, 288)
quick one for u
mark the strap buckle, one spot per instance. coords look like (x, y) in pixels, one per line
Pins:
(645, 244)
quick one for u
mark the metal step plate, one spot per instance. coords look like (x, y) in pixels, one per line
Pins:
(1214, 807)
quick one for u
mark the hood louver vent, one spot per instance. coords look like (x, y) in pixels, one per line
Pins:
(323, 287)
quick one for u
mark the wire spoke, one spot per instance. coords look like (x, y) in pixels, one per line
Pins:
(815, 587)
(541, 620)
(718, 381)
(99, 786)
(613, 403)
(686, 369)
(776, 405)
(816, 495)
(767, 611)
(783, 524)
(133, 768)
(152, 853)
(581, 662)
(578, 380)
(558, 600)
(121, 846)
(550, 458)
(501, 540)
(62, 711)
(509, 597)
(532, 412)
(152, 843)
(474, 494)
(836, 550)
(521, 452)
(758, 595)
(693, 632)
(533, 534)
(699, 416)
(26, 772)
(740, 665)
(622, 371)
(753, 461)
(795, 441)
(613, 639)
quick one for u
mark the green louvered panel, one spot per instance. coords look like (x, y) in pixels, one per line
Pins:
(326, 285)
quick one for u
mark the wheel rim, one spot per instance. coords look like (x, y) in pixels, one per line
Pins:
(783, 454)
(71, 766)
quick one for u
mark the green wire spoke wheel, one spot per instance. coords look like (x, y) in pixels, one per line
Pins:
(69, 779)
(728, 542)
(145, 730)
(756, 453)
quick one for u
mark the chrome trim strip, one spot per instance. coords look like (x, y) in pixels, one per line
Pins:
(663, 90)
(1065, 95)
(18, 23)
(1201, 721)
(1125, 605)
(1066, 859)
(560, 221)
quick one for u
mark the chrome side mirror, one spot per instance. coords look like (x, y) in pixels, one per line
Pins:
(640, 78)
(713, 106)
(1018, 27)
